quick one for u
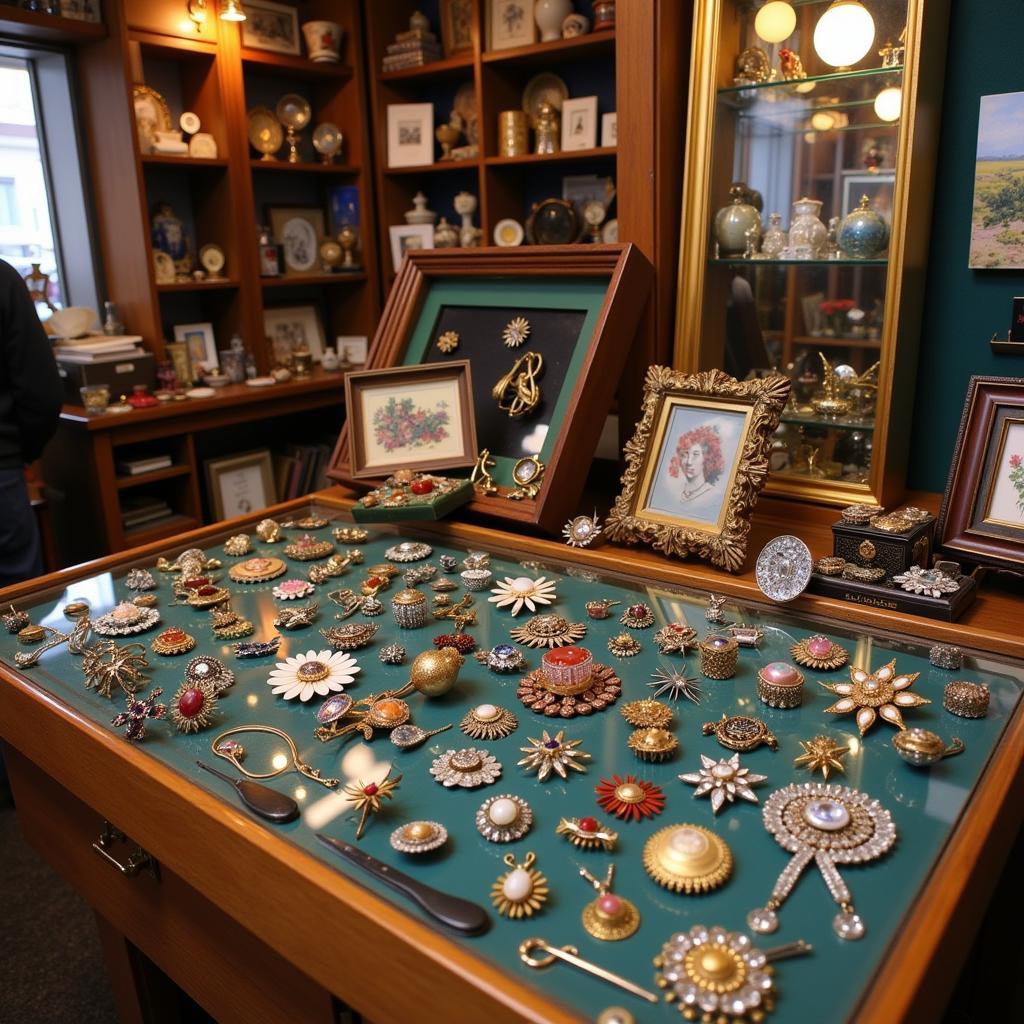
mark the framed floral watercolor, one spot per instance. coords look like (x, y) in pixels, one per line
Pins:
(697, 463)
(982, 516)
(411, 417)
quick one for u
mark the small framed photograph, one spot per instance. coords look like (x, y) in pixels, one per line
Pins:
(240, 484)
(697, 462)
(409, 236)
(352, 350)
(609, 129)
(410, 417)
(270, 26)
(510, 23)
(410, 134)
(294, 327)
(299, 231)
(200, 345)
(982, 515)
(579, 123)
(456, 26)
(879, 187)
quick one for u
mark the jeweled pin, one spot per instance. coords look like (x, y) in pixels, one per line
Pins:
(587, 833)
(609, 917)
(522, 890)
(570, 955)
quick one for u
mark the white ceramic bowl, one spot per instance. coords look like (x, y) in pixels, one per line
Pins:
(72, 322)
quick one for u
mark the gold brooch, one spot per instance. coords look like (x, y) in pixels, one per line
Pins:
(518, 392)
(516, 332)
(522, 890)
(687, 858)
(448, 342)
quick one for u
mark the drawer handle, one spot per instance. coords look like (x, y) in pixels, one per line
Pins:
(136, 862)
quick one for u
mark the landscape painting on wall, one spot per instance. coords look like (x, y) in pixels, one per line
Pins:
(997, 220)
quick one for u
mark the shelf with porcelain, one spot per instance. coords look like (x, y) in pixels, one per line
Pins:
(165, 159)
(811, 81)
(739, 261)
(438, 167)
(451, 67)
(585, 47)
(562, 156)
(267, 62)
(216, 284)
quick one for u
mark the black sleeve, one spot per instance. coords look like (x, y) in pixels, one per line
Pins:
(29, 368)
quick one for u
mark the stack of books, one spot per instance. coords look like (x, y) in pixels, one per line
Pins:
(98, 348)
(135, 467)
(143, 509)
(412, 49)
(301, 469)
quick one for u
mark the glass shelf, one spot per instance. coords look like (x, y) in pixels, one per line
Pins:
(790, 83)
(739, 261)
(813, 420)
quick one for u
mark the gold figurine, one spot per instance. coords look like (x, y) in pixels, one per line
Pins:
(518, 392)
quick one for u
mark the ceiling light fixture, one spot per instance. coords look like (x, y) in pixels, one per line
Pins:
(844, 33)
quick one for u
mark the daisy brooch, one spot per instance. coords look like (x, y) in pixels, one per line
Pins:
(315, 672)
(523, 592)
(882, 692)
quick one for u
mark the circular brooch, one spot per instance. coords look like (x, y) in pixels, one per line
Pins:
(192, 707)
(315, 673)
(419, 837)
(675, 638)
(466, 768)
(819, 652)
(637, 616)
(488, 722)
(504, 819)
(351, 636)
(687, 858)
(308, 549)
(522, 890)
(538, 692)
(503, 659)
(258, 570)
(293, 590)
(652, 744)
(549, 630)
(630, 799)
(126, 619)
(646, 713)
(741, 732)
(625, 645)
(582, 531)
(522, 592)
(783, 568)
(204, 668)
(553, 754)
(173, 641)
(408, 551)
(930, 582)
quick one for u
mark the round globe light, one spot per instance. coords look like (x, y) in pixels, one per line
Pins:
(775, 21)
(823, 121)
(889, 103)
(844, 33)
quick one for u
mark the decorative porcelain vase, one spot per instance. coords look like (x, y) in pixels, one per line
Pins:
(863, 233)
(732, 223)
(774, 238)
(446, 236)
(604, 14)
(419, 214)
(549, 15)
(807, 234)
(323, 41)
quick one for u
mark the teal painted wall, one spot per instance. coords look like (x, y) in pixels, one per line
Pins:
(963, 307)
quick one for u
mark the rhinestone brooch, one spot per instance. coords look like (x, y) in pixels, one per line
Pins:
(466, 768)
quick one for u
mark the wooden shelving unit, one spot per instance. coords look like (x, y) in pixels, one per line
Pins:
(34, 27)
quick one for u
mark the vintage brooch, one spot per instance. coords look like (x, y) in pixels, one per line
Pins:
(226, 624)
(646, 712)
(527, 474)
(308, 549)
(587, 833)
(504, 819)
(783, 568)
(258, 570)
(173, 641)
(582, 531)
(502, 658)
(652, 744)
(419, 837)
(630, 799)
(819, 652)
(367, 797)
(741, 732)
(192, 707)
(140, 579)
(408, 551)
(638, 616)
(687, 858)
(268, 531)
(921, 748)
(516, 331)
(466, 768)
(488, 722)
(670, 683)
(821, 754)
(350, 534)
(204, 668)
(238, 545)
(600, 608)
(548, 630)
(522, 592)
(724, 780)
(873, 694)
(675, 638)
(930, 582)
(829, 825)
(351, 636)
(608, 917)
(297, 618)
(257, 648)
(125, 619)
(553, 754)
(569, 683)
(106, 665)
(293, 590)
(624, 645)
(315, 673)
(522, 890)
(133, 719)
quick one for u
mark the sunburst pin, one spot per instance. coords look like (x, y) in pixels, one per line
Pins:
(821, 754)
(630, 799)
(367, 796)
(522, 890)
(516, 332)
(553, 754)
(884, 689)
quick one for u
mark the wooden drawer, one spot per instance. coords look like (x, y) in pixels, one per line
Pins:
(226, 969)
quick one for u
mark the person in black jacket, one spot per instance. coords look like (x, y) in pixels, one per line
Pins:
(30, 401)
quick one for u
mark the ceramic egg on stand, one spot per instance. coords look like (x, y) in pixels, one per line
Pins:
(732, 223)
(863, 233)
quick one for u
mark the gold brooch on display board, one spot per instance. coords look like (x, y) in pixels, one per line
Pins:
(258, 570)
(549, 630)
(687, 858)
(308, 549)
(522, 890)
(697, 463)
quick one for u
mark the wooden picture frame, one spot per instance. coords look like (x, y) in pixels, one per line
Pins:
(403, 418)
(240, 484)
(982, 514)
(410, 138)
(300, 245)
(293, 324)
(271, 26)
(200, 344)
(456, 26)
(510, 23)
(616, 279)
(697, 429)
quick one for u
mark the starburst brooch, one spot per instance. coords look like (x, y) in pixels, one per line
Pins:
(672, 684)
(581, 531)
(367, 796)
(516, 332)
(821, 754)
(553, 754)
(883, 689)
(676, 638)
(548, 630)
(522, 592)
(448, 342)
(724, 780)
(630, 799)
(819, 652)
(193, 706)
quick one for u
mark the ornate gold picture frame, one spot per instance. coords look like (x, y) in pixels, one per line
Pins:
(696, 464)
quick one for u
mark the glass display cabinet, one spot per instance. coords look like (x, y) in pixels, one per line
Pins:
(806, 206)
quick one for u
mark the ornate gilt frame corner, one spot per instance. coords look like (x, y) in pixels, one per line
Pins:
(727, 548)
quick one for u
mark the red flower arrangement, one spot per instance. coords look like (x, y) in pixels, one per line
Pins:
(711, 444)
(830, 307)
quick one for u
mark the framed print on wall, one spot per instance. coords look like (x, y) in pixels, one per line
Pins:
(200, 344)
(697, 463)
(456, 26)
(579, 123)
(406, 237)
(410, 134)
(293, 327)
(581, 306)
(410, 417)
(299, 230)
(240, 484)
(270, 26)
(510, 23)
(982, 515)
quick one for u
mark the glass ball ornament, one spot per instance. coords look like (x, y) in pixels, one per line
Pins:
(775, 21)
(844, 33)
(889, 103)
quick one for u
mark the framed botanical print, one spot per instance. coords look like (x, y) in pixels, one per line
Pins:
(697, 463)
(410, 134)
(411, 417)
(270, 26)
(510, 23)
(982, 516)
(299, 230)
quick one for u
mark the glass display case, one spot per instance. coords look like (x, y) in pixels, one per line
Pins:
(805, 212)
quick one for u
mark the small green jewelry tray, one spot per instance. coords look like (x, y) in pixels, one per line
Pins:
(427, 506)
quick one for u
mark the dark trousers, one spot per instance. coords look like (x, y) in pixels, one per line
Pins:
(21, 554)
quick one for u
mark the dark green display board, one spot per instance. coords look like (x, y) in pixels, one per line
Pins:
(925, 804)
